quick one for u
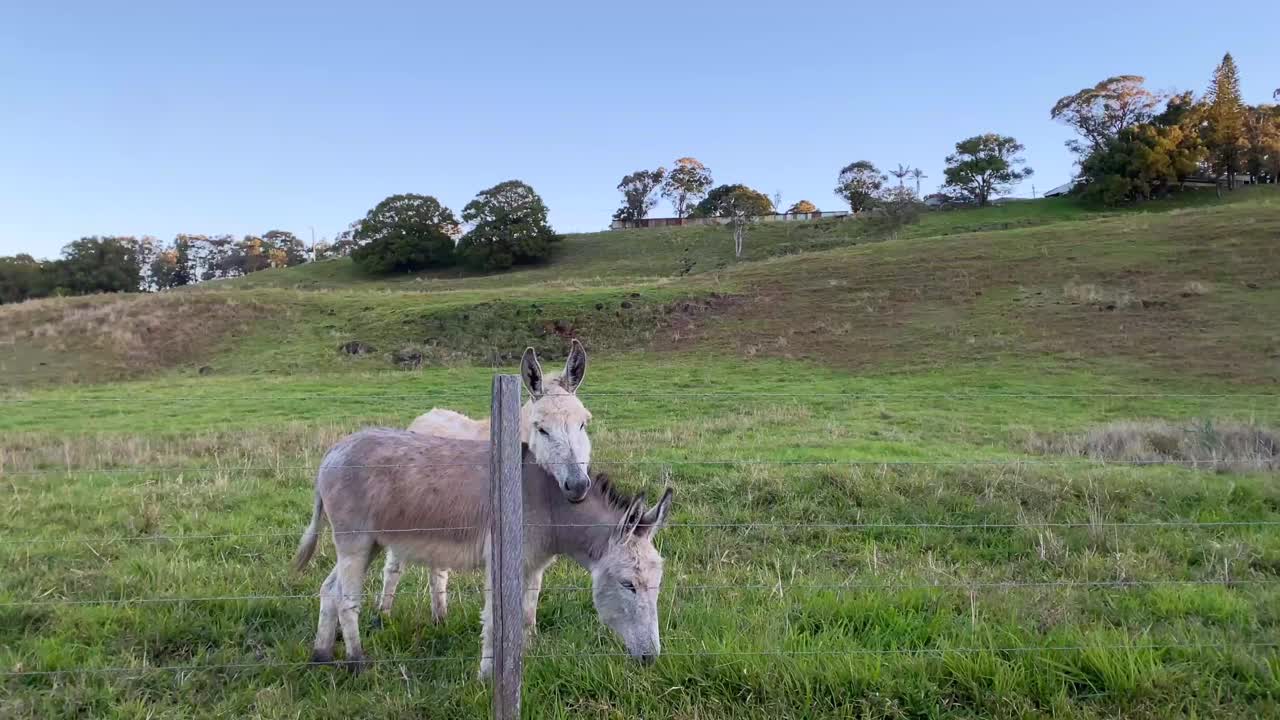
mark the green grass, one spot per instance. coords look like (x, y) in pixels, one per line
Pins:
(1193, 290)
(227, 456)
(914, 375)
(603, 259)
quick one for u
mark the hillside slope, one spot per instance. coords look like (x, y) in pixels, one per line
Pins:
(1190, 290)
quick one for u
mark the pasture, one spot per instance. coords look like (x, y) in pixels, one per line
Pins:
(878, 509)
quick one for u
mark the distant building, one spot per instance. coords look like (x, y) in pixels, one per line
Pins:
(1063, 189)
(775, 217)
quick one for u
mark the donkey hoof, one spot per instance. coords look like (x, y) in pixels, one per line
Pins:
(356, 665)
(376, 623)
(322, 657)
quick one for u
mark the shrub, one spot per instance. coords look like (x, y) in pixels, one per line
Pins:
(405, 233)
(510, 228)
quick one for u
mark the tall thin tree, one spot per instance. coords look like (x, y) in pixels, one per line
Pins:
(918, 175)
(1224, 127)
(902, 172)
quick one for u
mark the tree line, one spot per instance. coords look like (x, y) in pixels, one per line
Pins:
(1136, 144)
(403, 233)
(1133, 144)
(100, 264)
(1129, 149)
(981, 167)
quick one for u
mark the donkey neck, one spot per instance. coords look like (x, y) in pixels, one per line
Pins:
(582, 530)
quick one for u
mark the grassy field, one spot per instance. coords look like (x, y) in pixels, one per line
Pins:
(925, 389)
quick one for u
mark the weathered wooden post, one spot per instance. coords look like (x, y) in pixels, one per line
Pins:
(506, 564)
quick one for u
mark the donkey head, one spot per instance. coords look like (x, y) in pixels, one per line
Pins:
(554, 422)
(626, 578)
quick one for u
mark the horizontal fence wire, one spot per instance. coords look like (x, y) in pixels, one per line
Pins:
(480, 394)
(1148, 524)
(994, 462)
(778, 588)
(722, 654)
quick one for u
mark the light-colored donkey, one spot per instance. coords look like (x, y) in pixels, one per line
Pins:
(381, 487)
(553, 424)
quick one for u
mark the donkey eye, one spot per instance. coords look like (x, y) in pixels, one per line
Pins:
(584, 427)
(629, 585)
(544, 432)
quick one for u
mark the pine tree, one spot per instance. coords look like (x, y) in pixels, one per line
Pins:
(1225, 131)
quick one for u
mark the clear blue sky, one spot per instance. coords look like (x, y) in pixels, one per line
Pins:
(148, 118)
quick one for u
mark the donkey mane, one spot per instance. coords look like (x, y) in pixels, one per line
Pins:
(615, 498)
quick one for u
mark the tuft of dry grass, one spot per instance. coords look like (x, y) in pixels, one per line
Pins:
(1195, 288)
(1093, 294)
(1204, 444)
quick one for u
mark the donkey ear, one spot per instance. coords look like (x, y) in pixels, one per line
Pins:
(653, 520)
(531, 373)
(631, 519)
(575, 367)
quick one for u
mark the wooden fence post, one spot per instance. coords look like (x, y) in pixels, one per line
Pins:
(506, 549)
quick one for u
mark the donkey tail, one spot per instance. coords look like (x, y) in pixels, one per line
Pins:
(307, 545)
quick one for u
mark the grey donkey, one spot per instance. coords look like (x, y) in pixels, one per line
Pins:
(426, 499)
(553, 424)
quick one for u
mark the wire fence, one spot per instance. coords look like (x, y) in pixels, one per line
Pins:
(852, 526)
(609, 462)
(710, 654)
(477, 396)
(779, 588)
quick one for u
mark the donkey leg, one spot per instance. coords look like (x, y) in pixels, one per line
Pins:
(327, 628)
(486, 637)
(439, 594)
(532, 589)
(486, 620)
(392, 569)
(351, 569)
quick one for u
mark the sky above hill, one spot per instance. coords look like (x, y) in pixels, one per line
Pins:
(158, 118)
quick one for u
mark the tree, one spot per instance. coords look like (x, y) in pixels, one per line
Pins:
(286, 246)
(22, 277)
(918, 175)
(101, 264)
(1262, 131)
(686, 184)
(898, 207)
(1144, 161)
(901, 173)
(1224, 132)
(984, 165)
(726, 200)
(509, 228)
(344, 243)
(405, 233)
(1180, 109)
(804, 206)
(859, 183)
(164, 270)
(1100, 112)
(637, 193)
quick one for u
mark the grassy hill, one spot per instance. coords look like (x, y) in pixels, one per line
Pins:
(1181, 288)
(1017, 462)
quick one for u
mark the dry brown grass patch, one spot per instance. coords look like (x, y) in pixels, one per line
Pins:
(111, 336)
(1204, 444)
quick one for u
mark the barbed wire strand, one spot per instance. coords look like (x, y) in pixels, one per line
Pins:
(992, 462)
(1147, 524)
(780, 588)
(851, 652)
(482, 396)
